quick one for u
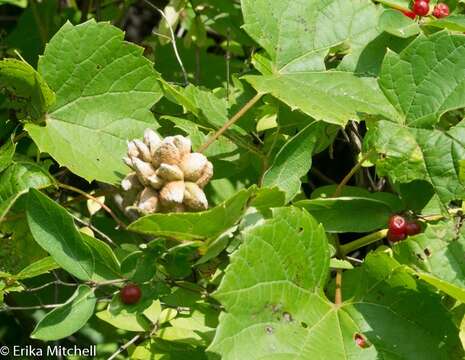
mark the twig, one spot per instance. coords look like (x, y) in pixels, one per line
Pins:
(104, 207)
(125, 346)
(338, 291)
(363, 241)
(322, 176)
(173, 41)
(230, 122)
(94, 229)
(107, 282)
(48, 284)
(350, 174)
(34, 307)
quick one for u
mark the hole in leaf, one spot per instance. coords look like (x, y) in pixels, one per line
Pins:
(287, 317)
(427, 252)
(304, 325)
(420, 257)
(361, 341)
(269, 330)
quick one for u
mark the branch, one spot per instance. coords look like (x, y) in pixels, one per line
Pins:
(338, 291)
(125, 346)
(173, 41)
(104, 207)
(363, 241)
(230, 122)
(350, 174)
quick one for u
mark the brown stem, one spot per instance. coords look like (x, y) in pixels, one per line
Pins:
(338, 291)
(350, 174)
(230, 122)
(104, 207)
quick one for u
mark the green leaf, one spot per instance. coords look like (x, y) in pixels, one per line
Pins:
(396, 23)
(454, 22)
(104, 89)
(25, 88)
(20, 3)
(408, 154)
(423, 81)
(107, 266)
(294, 159)
(17, 179)
(37, 268)
(167, 350)
(276, 309)
(7, 151)
(349, 213)
(297, 36)
(332, 96)
(195, 226)
(387, 304)
(69, 318)
(128, 322)
(437, 257)
(53, 229)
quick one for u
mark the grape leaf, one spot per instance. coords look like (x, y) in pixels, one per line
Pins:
(454, 22)
(349, 213)
(425, 80)
(104, 90)
(437, 257)
(297, 35)
(25, 89)
(195, 226)
(69, 318)
(276, 309)
(408, 153)
(332, 96)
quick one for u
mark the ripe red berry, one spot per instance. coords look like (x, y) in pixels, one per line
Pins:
(393, 237)
(441, 10)
(420, 7)
(130, 294)
(413, 228)
(397, 224)
(409, 14)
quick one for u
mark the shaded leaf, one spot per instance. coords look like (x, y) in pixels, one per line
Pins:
(69, 318)
(53, 229)
(195, 226)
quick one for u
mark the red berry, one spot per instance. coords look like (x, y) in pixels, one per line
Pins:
(441, 10)
(393, 237)
(361, 341)
(130, 294)
(397, 224)
(420, 7)
(413, 228)
(409, 14)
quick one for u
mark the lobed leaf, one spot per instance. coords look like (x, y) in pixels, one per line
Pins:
(104, 90)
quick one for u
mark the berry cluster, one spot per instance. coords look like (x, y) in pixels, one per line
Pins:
(422, 8)
(399, 228)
